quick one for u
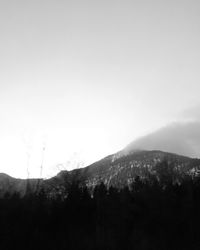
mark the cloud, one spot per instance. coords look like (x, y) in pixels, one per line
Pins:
(181, 138)
(192, 113)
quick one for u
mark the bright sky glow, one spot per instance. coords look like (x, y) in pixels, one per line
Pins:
(85, 78)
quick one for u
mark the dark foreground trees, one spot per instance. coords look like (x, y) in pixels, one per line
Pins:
(149, 216)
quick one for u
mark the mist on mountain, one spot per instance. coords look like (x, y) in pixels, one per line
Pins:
(180, 138)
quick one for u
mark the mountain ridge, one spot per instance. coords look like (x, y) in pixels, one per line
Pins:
(117, 170)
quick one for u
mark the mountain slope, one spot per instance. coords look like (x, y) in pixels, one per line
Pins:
(121, 169)
(118, 170)
(10, 185)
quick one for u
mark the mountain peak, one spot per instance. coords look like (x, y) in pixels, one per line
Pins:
(117, 170)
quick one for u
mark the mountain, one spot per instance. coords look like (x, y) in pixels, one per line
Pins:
(122, 168)
(118, 170)
(10, 185)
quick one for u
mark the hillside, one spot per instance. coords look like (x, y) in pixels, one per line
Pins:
(121, 169)
(116, 170)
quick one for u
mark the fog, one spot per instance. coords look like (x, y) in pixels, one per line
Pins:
(181, 138)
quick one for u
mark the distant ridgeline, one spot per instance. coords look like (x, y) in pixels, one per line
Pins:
(157, 211)
(117, 170)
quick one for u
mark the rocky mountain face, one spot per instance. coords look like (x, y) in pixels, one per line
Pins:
(117, 170)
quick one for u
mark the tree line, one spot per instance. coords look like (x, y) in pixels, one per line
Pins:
(148, 215)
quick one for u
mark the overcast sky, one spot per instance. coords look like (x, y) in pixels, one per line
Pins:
(85, 78)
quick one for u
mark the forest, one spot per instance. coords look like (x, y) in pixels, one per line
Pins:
(148, 215)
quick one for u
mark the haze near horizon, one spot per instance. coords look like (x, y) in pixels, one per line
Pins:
(82, 79)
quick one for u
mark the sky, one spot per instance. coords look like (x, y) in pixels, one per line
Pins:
(82, 79)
